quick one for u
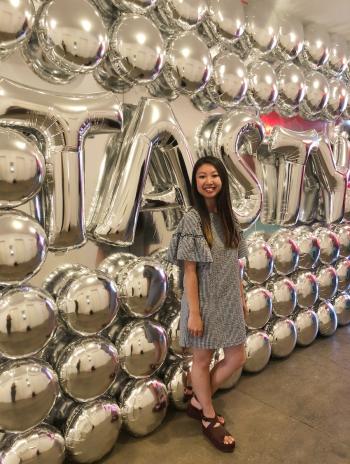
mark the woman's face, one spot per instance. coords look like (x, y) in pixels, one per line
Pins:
(208, 181)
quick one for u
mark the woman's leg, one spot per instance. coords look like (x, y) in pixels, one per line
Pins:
(202, 387)
(200, 377)
(235, 357)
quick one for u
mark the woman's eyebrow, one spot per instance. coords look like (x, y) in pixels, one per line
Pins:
(202, 172)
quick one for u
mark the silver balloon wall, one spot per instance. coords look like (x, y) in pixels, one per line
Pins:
(104, 107)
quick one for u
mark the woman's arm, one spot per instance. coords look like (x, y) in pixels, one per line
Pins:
(244, 301)
(195, 323)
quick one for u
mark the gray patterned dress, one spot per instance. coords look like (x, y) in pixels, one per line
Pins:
(218, 281)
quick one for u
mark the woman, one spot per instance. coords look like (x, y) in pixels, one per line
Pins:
(206, 245)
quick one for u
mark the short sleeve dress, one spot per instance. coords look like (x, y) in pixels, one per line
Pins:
(218, 281)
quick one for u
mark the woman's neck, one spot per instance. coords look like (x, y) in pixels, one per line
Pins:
(211, 205)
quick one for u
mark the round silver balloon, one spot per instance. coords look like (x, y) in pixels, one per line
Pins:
(283, 337)
(327, 282)
(137, 50)
(284, 296)
(143, 287)
(89, 303)
(62, 46)
(262, 91)
(291, 38)
(342, 308)
(338, 100)
(176, 380)
(114, 264)
(22, 168)
(43, 444)
(175, 15)
(28, 390)
(27, 321)
(143, 404)
(291, 88)
(170, 319)
(219, 355)
(327, 318)
(316, 96)
(23, 246)
(307, 289)
(16, 24)
(259, 265)
(227, 86)
(343, 234)
(174, 275)
(188, 67)
(316, 49)
(92, 430)
(343, 272)
(259, 303)
(142, 347)
(309, 246)
(63, 273)
(225, 22)
(262, 27)
(329, 245)
(338, 55)
(285, 253)
(87, 368)
(258, 351)
(306, 323)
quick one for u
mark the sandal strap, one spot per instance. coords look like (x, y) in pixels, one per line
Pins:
(212, 421)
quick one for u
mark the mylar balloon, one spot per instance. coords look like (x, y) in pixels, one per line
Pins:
(28, 391)
(23, 246)
(27, 321)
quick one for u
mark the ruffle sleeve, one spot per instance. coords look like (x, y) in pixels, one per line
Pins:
(188, 242)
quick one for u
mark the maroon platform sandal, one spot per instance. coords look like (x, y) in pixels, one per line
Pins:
(196, 413)
(217, 433)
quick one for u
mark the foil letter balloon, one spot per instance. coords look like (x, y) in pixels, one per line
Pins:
(229, 137)
(60, 124)
(293, 149)
(153, 124)
(332, 182)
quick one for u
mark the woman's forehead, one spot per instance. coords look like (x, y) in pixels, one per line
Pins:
(207, 169)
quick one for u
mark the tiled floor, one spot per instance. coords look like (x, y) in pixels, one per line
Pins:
(297, 411)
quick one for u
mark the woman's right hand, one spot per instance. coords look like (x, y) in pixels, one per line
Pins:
(195, 325)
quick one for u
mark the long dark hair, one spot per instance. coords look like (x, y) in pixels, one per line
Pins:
(223, 202)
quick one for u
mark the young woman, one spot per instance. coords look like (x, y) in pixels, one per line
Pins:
(206, 245)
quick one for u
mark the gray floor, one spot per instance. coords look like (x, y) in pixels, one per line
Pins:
(296, 411)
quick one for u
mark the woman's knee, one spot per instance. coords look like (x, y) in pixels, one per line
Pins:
(236, 356)
(202, 359)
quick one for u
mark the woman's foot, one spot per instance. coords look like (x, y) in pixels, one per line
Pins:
(194, 410)
(217, 434)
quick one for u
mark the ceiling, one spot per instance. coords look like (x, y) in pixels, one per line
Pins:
(333, 14)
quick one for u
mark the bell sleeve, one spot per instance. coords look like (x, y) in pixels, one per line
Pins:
(188, 242)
